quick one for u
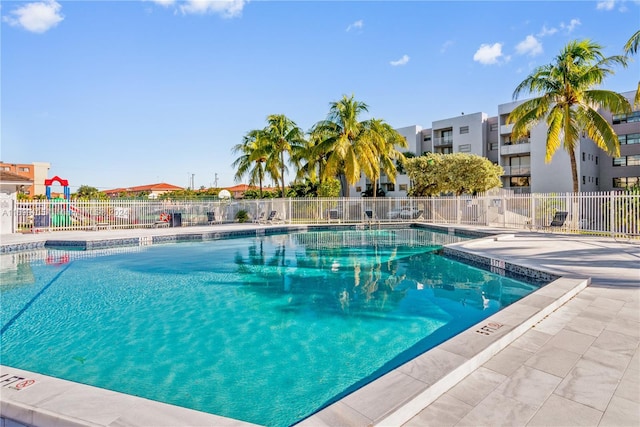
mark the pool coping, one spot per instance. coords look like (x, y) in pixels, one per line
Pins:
(392, 399)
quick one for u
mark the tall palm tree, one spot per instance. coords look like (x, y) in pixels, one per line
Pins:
(310, 161)
(252, 158)
(568, 102)
(282, 136)
(385, 141)
(343, 142)
(631, 48)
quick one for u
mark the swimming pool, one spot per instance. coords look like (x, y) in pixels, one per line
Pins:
(266, 329)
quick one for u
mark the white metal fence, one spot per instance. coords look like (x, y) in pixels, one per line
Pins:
(605, 213)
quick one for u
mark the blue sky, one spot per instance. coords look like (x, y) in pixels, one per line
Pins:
(126, 93)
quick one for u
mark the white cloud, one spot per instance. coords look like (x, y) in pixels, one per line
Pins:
(529, 46)
(401, 61)
(356, 25)
(606, 5)
(571, 25)
(488, 54)
(446, 45)
(36, 17)
(226, 8)
(547, 31)
(165, 3)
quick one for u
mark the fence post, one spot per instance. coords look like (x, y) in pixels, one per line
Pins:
(612, 214)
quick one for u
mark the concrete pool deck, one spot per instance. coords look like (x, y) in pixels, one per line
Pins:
(576, 363)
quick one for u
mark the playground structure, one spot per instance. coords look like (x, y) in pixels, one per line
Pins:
(59, 212)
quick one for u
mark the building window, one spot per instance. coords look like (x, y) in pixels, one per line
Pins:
(358, 189)
(626, 118)
(427, 139)
(520, 165)
(403, 187)
(23, 169)
(583, 156)
(519, 181)
(633, 160)
(465, 148)
(584, 179)
(5, 168)
(389, 186)
(596, 160)
(464, 129)
(596, 180)
(632, 138)
(626, 181)
(493, 146)
(493, 127)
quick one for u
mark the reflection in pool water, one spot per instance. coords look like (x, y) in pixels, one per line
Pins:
(265, 329)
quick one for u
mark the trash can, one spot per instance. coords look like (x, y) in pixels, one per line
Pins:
(176, 219)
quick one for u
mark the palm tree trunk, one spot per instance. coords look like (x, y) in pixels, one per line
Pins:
(574, 171)
(344, 188)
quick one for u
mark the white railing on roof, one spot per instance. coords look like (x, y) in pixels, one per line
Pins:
(603, 213)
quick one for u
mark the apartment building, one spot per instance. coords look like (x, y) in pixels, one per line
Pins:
(36, 172)
(523, 160)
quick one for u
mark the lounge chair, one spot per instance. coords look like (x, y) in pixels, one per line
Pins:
(260, 219)
(557, 222)
(369, 215)
(211, 218)
(274, 218)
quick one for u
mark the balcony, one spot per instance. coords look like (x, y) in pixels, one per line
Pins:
(440, 142)
(519, 190)
(508, 150)
(506, 129)
(517, 170)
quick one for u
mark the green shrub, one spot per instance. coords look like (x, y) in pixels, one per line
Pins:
(242, 216)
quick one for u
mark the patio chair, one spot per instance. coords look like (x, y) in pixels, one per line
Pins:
(260, 218)
(334, 215)
(369, 215)
(558, 221)
(274, 218)
(214, 217)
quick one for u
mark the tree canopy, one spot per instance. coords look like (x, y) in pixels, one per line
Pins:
(434, 174)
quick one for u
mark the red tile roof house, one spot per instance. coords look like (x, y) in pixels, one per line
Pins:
(154, 190)
(10, 185)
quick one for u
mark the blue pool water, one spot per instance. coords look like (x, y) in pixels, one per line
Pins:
(265, 329)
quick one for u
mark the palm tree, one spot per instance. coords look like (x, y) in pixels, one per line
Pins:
(282, 136)
(385, 141)
(631, 48)
(252, 158)
(311, 162)
(342, 142)
(569, 103)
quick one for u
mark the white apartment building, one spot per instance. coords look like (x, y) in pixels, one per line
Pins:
(523, 161)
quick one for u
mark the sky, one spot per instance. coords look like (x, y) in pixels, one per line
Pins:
(126, 93)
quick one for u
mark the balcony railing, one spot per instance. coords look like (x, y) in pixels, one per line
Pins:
(506, 129)
(517, 170)
(506, 150)
(439, 141)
